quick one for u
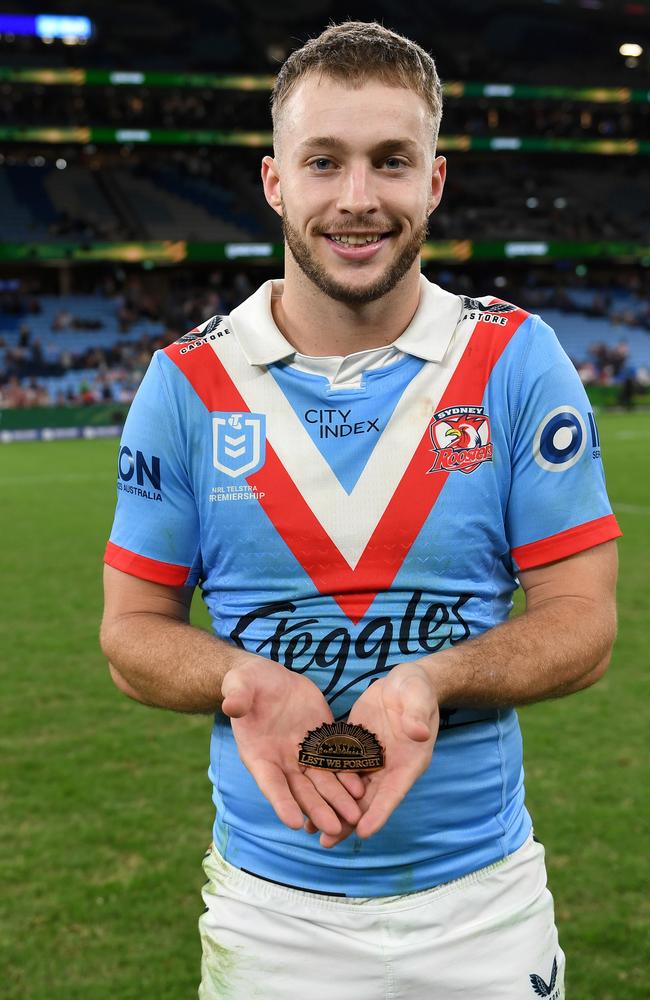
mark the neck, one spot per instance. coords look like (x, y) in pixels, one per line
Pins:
(319, 326)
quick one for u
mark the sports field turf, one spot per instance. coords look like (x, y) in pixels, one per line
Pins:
(105, 806)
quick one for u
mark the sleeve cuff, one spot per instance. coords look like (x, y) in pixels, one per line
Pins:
(566, 543)
(147, 569)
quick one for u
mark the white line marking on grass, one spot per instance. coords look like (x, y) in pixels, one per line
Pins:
(630, 508)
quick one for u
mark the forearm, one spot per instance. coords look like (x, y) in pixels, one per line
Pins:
(167, 663)
(547, 652)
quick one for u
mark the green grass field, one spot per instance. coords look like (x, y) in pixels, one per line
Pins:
(105, 807)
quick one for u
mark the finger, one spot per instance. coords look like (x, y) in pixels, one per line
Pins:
(354, 783)
(327, 841)
(309, 827)
(383, 797)
(347, 828)
(312, 804)
(272, 783)
(334, 792)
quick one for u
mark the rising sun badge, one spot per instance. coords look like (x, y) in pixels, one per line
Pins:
(340, 746)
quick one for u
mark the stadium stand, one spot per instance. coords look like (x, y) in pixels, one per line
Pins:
(193, 195)
(161, 199)
(79, 348)
(82, 344)
(79, 199)
(146, 107)
(26, 209)
(171, 206)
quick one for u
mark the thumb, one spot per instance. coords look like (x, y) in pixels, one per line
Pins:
(418, 709)
(237, 697)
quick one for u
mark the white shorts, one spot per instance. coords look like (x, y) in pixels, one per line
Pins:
(488, 936)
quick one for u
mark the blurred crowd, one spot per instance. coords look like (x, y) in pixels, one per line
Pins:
(622, 299)
(117, 368)
(38, 373)
(491, 196)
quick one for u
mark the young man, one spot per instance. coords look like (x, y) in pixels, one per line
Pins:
(357, 466)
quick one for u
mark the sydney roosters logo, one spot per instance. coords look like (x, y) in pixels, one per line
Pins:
(460, 436)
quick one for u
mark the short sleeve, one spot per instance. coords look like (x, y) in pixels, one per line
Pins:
(558, 503)
(155, 532)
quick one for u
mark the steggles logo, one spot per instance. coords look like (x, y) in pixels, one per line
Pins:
(285, 634)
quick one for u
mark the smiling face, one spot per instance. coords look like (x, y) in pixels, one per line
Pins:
(354, 181)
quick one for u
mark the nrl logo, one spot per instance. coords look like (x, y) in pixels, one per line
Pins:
(238, 443)
(460, 436)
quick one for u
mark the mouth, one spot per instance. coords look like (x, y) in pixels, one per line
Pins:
(357, 246)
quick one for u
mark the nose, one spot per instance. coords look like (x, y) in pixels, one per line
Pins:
(358, 192)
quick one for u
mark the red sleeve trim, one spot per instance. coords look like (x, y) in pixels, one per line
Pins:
(147, 569)
(567, 543)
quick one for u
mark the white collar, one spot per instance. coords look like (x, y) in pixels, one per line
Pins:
(427, 336)
(350, 371)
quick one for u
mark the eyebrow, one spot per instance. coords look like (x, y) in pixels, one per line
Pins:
(331, 142)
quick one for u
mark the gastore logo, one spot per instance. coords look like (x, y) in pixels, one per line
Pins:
(544, 989)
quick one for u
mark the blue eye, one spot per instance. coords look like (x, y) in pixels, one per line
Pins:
(322, 163)
(393, 162)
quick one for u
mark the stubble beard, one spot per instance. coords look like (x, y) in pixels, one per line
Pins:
(351, 295)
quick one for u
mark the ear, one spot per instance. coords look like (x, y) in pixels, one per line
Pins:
(271, 183)
(438, 174)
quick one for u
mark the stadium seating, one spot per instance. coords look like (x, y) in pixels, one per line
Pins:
(164, 214)
(577, 333)
(25, 208)
(75, 192)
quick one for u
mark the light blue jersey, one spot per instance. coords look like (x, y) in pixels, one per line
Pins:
(347, 516)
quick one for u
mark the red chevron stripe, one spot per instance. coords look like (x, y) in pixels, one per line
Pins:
(355, 589)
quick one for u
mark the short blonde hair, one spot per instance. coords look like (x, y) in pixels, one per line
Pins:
(356, 51)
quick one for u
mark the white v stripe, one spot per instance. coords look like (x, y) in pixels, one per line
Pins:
(349, 519)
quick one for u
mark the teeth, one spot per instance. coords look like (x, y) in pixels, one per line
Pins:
(357, 240)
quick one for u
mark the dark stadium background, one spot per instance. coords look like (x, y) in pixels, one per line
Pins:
(131, 210)
(129, 189)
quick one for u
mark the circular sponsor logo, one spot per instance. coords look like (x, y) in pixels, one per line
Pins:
(560, 439)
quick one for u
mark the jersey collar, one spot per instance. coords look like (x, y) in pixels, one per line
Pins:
(427, 336)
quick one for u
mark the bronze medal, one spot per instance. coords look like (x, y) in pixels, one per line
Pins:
(340, 746)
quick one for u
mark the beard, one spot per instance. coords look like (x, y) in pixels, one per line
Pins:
(350, 294)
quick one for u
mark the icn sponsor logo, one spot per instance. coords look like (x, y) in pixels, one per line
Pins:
(139, 475)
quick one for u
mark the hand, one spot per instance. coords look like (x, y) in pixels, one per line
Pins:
(401, 709)
(271, 710)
